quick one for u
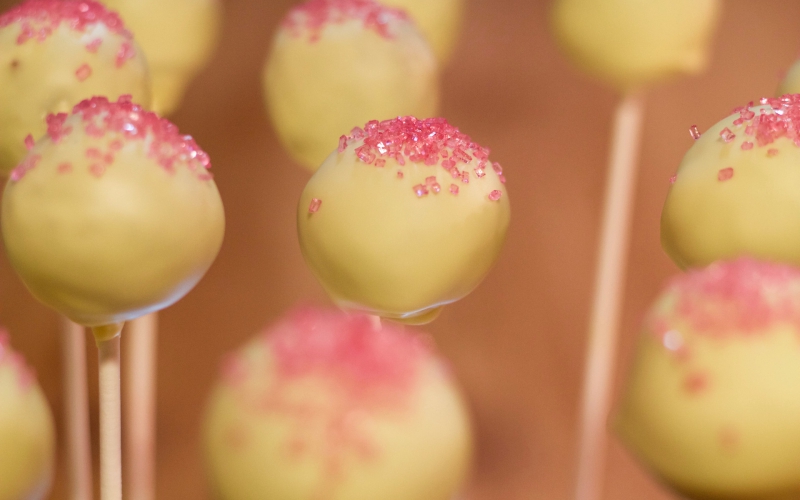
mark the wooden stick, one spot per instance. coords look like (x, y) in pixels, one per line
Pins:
(608, 297)
(140, 408)
(110, 415)
(76, 410)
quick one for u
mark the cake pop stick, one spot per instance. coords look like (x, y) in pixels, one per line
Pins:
(76, 410)
(107, 338)
(628, 44)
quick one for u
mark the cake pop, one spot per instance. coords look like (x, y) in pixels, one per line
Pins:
(335, 64)
(27, 434)
(324, 406)
(711, 405)
(113, 214)
(404, 217)
(735, 192)
(631, 43)
(439, 20)
(178, 38)
(53, 54)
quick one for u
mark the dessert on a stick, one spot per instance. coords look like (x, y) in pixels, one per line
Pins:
(439, 20)
(324, 405)
(335, 64)
(405, 217)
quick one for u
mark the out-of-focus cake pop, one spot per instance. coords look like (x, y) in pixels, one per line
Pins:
(791, 82)
(27, 434)
(736, 190)
(335, 64)
(712, 402)
(178, 38)
(631, 43)
(324, 406)
(404, 217)
(113, 214)
(53, 54)
(439, 20)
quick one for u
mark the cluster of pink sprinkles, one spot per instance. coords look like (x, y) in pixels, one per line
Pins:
(313, 16)
(739, 297)
(432, 141)
(779, 117)
(120, 123)
(25, 376)
(40, 18)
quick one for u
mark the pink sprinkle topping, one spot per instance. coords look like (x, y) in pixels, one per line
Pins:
(694, 132)
(125, 52)
(727, 135)
(314, 206)
(673, 179)
(40, 18)
(420, 190)
(400, 174)
(29, 142)
(453, 189)
(747, 146)
(777, 118)
(55, 126)
(94, 45)
(772, 152)
(65, 168)
(695, 383)
(725, 174)
(342, 143)
(84, 72)
(495, 195)
(313, 16)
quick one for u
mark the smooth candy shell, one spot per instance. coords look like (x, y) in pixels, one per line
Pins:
(377, 248)
(755, 213)
(631, 43)
(439, 20)
(27, 439)
(109, 249)
(316, 92)
(178, 38)
(45, 81)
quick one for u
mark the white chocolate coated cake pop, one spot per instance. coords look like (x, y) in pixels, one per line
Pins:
(404, 217)
(54, 54)
(323, 406)
(631, 43)
(27, 433)
(113, 214)
(178, 38)
(737, 190)
(439, 20)
(712, 403)
(335, 64)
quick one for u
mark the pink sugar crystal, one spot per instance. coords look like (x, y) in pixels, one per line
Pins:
(313, 207)
(727, 135)
(399, 174)
(94, 45)
(495, 195)
(453, 189)
(673, 179)
(695, 383)
(342, 143)
(725, 174)
(84, 72)
(420, 190)
(38, 19)
(465, 177)
(125, 52)
(380, 163)
(64, 168)
(772, 152)
(694, 132)
(746, 146)
(479, 172)
(312, 17)
(29, 142)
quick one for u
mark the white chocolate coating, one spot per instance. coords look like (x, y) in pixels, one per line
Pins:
(440, 21)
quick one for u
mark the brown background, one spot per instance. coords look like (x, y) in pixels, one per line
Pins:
(518, 341)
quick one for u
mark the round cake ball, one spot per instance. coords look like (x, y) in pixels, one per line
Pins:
(712, 404)
(737, 191)
(178, 38)
(27, 434)
(439, 20)
(404, 217)
(112, 215)
(335, 64)
(324, 406)
(54, 54)
(630, 43)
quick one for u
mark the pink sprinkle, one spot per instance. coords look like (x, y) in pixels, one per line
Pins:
(435, 187)
(84, 72)
(93, 153)
(479, 172)
(342, 143)
(747, 146)
(125, 52)
(727, 135)
(312, 17)
(420, 190)
(38, 19)
(725, 174)
(94, 45)
(502, 178)
(314, 206)
(497, 168)
(97, 170)
(453, 189)
(695, 383)
(29, 143)
(28, 164)
(380, 163)
(772, 152)
(673, 179)
(399, 174)
(495, 195)
(694, 132)
(65, 168)
(465, 177)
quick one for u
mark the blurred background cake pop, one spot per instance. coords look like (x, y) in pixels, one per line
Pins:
(736, 190)
(631, 43)
(711, 404)
(178, 38)
(335, 64)
(113, 214)
(323, 405)
(404, 217)
(27, 433)
(439, 20)
(791, 81)
(53, 54)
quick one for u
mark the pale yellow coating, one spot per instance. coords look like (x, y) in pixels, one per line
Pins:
(318, 91)
(631, 43)
(27, 438)
(39, 78)
(755, 213)
(109, 249)
(178, 38)
(738, 437)
(791, 82)
(378, 248)
(424, 448)
(439, 20)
